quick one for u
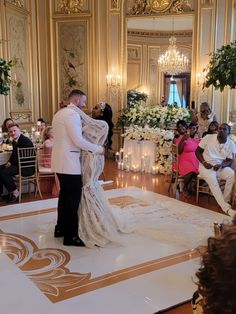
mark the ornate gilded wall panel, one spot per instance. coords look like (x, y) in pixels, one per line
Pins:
(115, 5)
(141, 7)
(19, 49)
(18, 3)
(72, 57)
(71, 6)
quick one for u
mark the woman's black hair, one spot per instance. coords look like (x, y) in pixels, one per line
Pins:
(107, 116)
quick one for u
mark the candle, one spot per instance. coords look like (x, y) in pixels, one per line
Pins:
(127, 168)
(117, 156)
(126, 161)
(122, 166)
(121, 155)
(153, 170)
(119, 165)
(142, 164)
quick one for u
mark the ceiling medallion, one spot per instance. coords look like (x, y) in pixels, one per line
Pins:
(71, 6)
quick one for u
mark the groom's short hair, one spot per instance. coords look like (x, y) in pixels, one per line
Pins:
(76, 92)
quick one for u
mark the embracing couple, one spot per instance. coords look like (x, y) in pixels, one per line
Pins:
(66, 163)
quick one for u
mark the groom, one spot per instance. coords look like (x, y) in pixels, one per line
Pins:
(68, 142)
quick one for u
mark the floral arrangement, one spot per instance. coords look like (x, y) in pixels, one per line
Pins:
(154, 117)
(162, 138)
(221, 70)
(135, 97)
(5, 78)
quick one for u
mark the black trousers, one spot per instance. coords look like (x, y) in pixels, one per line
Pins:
(68, 204)
(7, 178)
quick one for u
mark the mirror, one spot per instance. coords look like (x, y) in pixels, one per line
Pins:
(147, 39)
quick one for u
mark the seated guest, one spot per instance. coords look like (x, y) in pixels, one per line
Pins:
(204, 118)
(212, 129)
(216, 276)
(11, 168)
(41, 125)
(48, 142)
(188, 162)
(215, 153)
(103, 111)
(6, 123)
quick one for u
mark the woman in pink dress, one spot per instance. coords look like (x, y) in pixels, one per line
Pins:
(188, 162)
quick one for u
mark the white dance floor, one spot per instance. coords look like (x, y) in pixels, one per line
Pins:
(151, 270)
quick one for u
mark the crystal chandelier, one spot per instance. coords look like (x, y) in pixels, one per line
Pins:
(172, 62)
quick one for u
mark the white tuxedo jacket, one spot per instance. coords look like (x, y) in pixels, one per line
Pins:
(68, 141)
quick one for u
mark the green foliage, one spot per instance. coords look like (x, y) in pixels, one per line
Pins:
(134, 98)
(5, 78)
(222, 68)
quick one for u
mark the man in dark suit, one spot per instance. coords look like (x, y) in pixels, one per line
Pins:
(11, 168)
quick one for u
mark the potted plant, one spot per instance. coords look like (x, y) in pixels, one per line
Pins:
(221, 70)
(5, 78)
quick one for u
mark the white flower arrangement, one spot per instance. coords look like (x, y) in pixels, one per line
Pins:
(154, 117)
(162, 138)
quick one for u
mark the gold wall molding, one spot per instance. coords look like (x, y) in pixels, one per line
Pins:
(115, 5)
(73, 7)
(159, 34)
(70, 6)
(18, 3)
(21, 117)
(142, 7)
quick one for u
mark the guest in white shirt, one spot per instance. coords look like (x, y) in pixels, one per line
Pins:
(215, 153)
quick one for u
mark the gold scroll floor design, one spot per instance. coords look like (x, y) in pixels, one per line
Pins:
(47, 268)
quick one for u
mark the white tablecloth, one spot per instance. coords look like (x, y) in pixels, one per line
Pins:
(4, 156)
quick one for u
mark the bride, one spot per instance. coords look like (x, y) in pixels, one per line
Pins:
(97, 225)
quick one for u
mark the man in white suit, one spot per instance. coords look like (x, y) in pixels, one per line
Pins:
(68, 142)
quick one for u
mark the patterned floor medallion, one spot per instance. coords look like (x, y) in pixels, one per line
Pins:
(47, 268)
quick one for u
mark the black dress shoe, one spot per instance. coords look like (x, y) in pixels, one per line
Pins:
(13, 199)
(58, 233)
(73, 241)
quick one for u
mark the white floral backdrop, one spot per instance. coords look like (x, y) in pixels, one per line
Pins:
(154, 124)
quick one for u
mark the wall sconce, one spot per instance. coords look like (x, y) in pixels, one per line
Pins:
(113, 83)
(201, 77)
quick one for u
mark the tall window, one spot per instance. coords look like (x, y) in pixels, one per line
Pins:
(174, 94)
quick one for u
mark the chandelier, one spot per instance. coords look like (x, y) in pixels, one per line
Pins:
(172, 61)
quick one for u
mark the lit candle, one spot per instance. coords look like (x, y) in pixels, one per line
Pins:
(122, 166)
(117, 156)
(153, 169)
(119, 165)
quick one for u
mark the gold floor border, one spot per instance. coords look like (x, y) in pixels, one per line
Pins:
(47, 268)
(27, 214)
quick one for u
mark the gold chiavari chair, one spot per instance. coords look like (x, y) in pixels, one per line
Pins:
(28, 173)
(176, 180)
